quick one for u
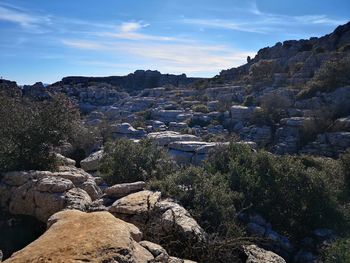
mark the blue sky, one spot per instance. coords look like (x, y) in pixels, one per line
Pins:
(45, 40)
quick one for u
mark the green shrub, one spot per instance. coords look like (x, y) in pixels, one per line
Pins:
(249, 101)
(30, 129)
(295, 197)
(338, 252)
(127, 161)
(264, 70)
(200, 108)
(330, 76)
(206, 195)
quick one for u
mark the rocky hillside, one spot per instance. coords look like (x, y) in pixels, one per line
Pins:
(143, 192)
(140, 79)
(295, 61)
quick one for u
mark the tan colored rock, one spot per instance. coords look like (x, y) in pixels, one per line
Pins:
(175, 215)
(77, 176)
(91, 188)
(42, 193)
(159, 253)
(64, 160)
(136, 203)
(92, 162)
(121, 190)
(258, 255)
(146, 210)
(179, 260)
(75, 236)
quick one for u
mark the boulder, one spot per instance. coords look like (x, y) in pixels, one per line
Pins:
(121, 190)
(136, 203)
(166, 115)
(92, 162)
(242, 113)
(64, 160)
(75, 236)
(189, 146)
(42, 193)
(165, 138)
(342, 124)
(156, 250)
(256, 254)
(125, 130)
(146, 210)
(174, 215)
(177, 126)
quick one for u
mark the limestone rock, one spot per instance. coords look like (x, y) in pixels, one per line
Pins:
(174, 214)
(42, 193)
(258, 255)
(75, 236)
(121, 190)
(92, 162)
(165, 138)
(137, 203)
(157, 251)
(64, 160)
(126, 130)
(242, 113)
(165, 216)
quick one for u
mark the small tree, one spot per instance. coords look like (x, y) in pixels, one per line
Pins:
(127, 161)
(29, 130)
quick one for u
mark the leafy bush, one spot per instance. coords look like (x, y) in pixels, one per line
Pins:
(289, 191)
(127, 161)
(29, 130)
(249, 101)
(330, 76)
(273, 109)
(264, 70)
(200, 108)
(338, 252)
(206, 195)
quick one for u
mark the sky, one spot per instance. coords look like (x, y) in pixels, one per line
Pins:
(46, 40)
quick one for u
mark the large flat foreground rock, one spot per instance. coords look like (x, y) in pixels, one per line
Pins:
(75, 236)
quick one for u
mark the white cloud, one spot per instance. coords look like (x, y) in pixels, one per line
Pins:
(17, 17)
(225, 24)
(257, 21)
(170, 57)
(128, 27)
(129, 31)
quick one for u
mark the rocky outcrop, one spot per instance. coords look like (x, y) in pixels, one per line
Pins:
(41, 193)
(330, 144)
(10, 88)
(242, 113)
(125, 130)
(121, 190)
(191, 152)
(92, 162)
(139, 80)
(167, 137)
(256, 254)
(148, 211)
(93, 237)
(305, 56)
(75, 236)
(167, 116)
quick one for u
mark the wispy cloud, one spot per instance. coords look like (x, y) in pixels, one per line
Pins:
(225, 24)
(257, 21)
(31, 22)
(130, 31)
(174, 57)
